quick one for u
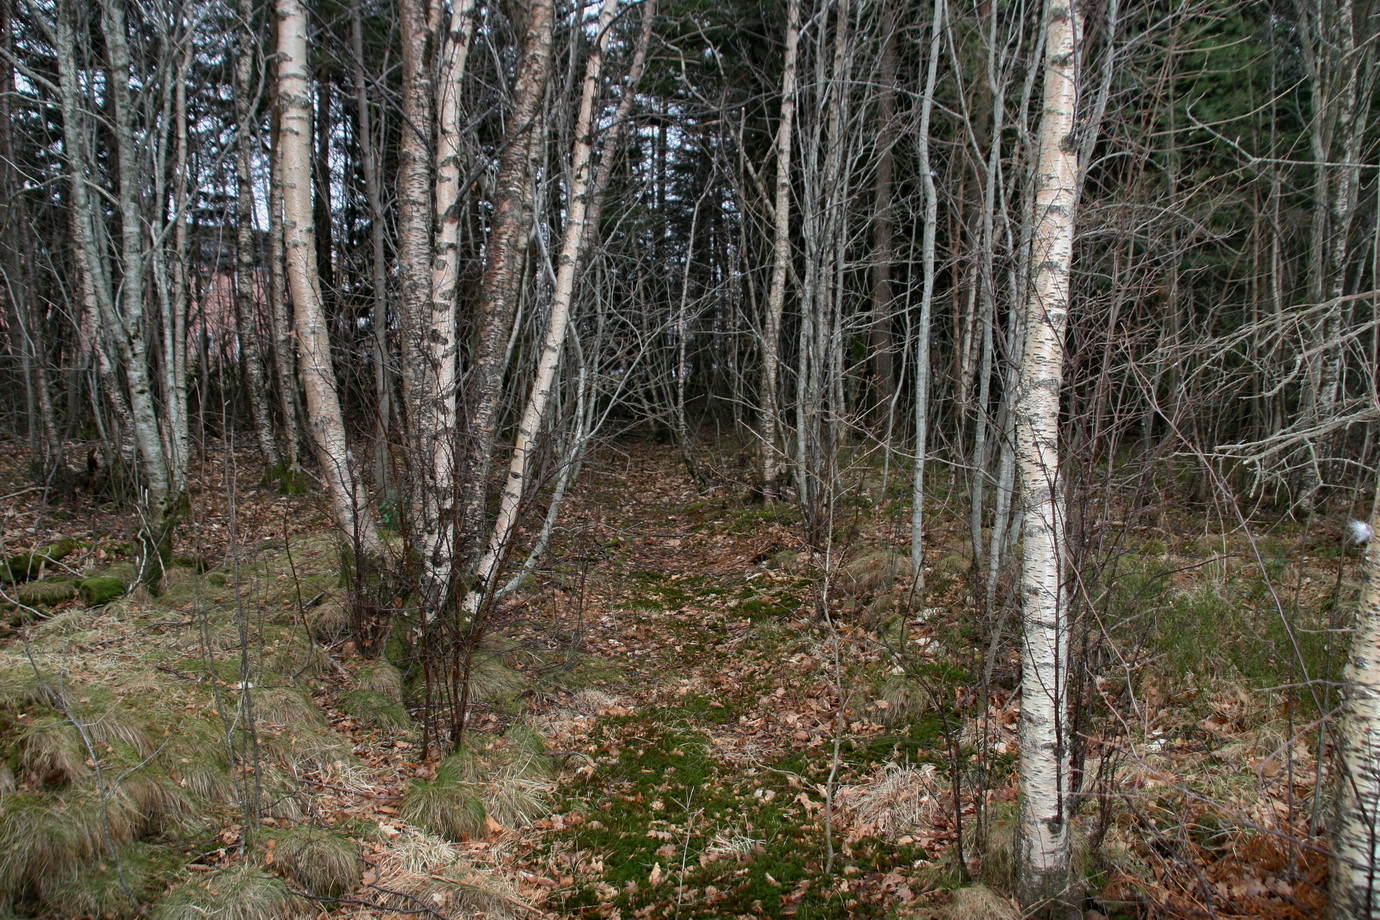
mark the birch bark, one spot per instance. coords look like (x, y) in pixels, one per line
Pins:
(1044, 860)
(1354, 880)
(349, 505)
(562, 298)
(508, 238)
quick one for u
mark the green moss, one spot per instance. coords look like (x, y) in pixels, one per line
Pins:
(100, 589)
(285, 479)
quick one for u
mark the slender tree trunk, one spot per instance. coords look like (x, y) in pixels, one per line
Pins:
(768, 416)
(883, 227)
(1044, 862)
(378, 252)
(1355, 867)
(508, 239)
(349, 505)
(922, 332)
(562, 299)
(284, 356)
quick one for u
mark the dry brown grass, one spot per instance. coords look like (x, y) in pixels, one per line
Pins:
(979, 902)
(318, 860)
(896, 801)
(421, 869)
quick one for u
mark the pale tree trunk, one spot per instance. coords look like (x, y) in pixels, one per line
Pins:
(768, 416)
(507, 245)
(120, 307)
(349, 505)
(246, 255)
(1354, 879)
(562, 298)
(284, 359)
(922, 331)
(428, 274)
(1044, 862)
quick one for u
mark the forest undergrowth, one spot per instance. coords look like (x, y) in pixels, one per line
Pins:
(685, 712)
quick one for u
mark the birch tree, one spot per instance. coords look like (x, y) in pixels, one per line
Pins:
(114, 271)
(348, 502)
(506, 257)
(1044, 859)
(1355, 867)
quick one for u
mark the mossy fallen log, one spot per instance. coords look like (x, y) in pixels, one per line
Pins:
(100, 589)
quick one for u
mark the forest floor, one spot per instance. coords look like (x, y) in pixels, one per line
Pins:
(682, 713)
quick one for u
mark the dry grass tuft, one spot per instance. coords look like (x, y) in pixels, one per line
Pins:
(420, 870)
(449, 805)
(980, 903)
(162, 805)
(375, 709)
(112, 725)
(898, 801)
(318, 860)
(67, 622)
(43, 835)
(235, 894)
(53, 751)
(493, 683)
(380, 677)
(998, 867)
(518, 787)
(103, 886)
(297, 656)
(874, 573)
(593, 702)
(329, 620)
(282, 706)
(906, 701)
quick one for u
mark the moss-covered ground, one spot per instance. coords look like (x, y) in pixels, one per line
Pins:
(684, 712)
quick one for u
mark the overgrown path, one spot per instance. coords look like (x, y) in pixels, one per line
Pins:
(697, 778)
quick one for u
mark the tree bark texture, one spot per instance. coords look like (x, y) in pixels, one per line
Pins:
(1044, 861)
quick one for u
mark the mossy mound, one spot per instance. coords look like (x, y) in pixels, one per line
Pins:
(375, 709)
(320, 861)
(100, 589)
(235, 894)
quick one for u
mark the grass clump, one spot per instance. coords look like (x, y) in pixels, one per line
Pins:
(978, 902)
(874, 573)
(380, 676)
(284, 706)
(235, 894)
(449, 805)
(115, 888)
(375, 709)
(318, 860)
(46, 592)
(43, 835)
(52, 751)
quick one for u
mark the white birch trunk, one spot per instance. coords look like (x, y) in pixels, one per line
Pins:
(1354, 880)
(1044, 861)
(349, 504)
(562, 297)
